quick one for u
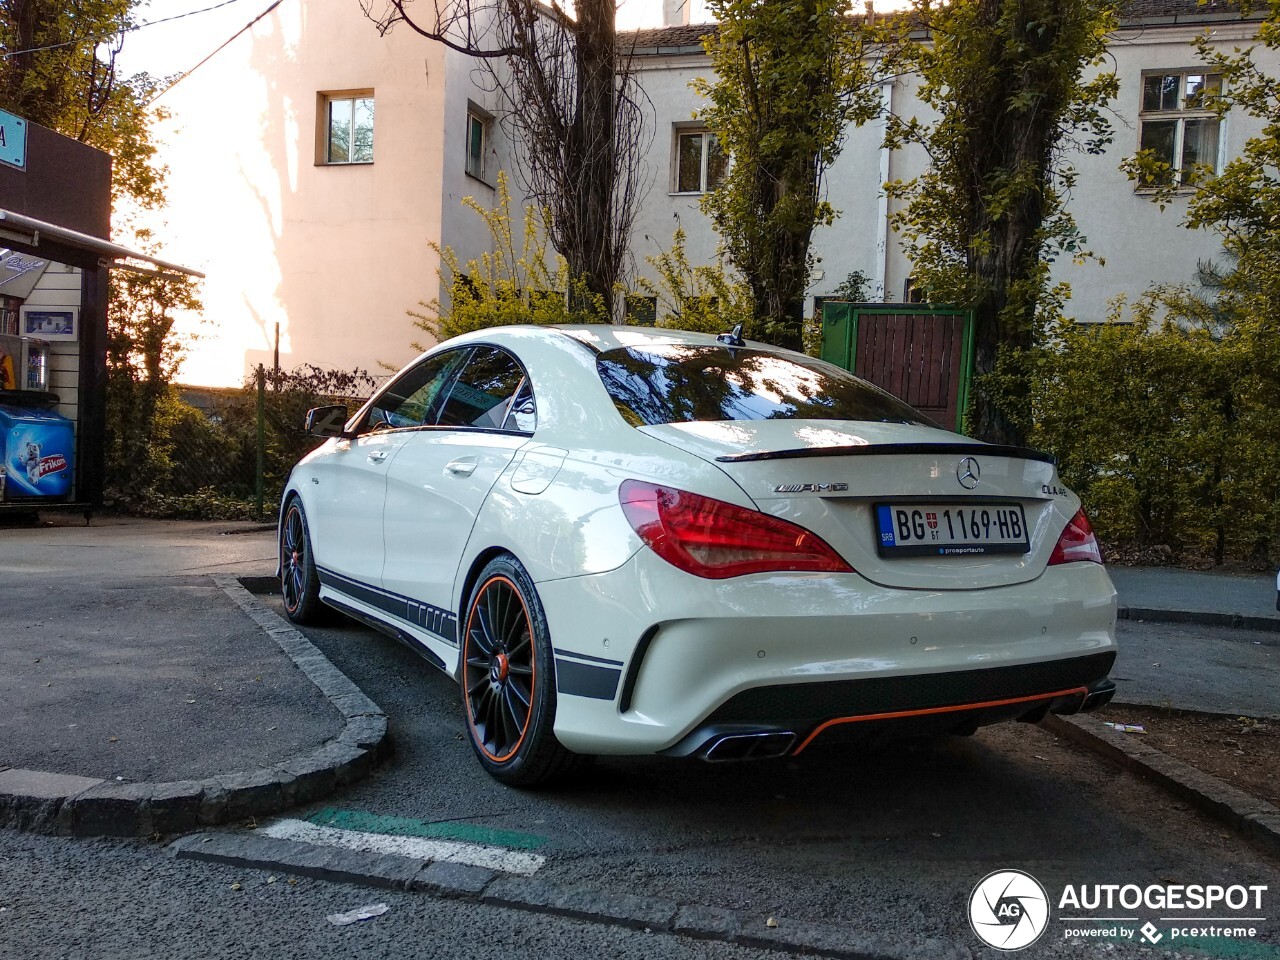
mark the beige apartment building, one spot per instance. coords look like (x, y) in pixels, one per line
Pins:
(314, 162)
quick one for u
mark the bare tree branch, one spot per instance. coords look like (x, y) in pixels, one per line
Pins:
(568, 97)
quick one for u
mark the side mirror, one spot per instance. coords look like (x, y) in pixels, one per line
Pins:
(326, 421)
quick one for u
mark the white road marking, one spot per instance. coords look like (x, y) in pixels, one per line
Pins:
(417, 848)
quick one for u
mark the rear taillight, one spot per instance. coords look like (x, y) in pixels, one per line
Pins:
(1077, 543)
(714, 539)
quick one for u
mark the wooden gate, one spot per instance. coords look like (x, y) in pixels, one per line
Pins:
(921, 354)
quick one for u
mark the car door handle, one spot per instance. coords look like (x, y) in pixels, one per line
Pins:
(377, 456)
(461, 468)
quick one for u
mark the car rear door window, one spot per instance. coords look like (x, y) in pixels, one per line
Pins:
(484, 394)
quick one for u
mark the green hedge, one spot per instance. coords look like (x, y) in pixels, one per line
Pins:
(1169, 435)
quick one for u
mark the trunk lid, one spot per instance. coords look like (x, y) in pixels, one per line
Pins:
(836, 477)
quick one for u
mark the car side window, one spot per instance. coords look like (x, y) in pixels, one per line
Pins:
(411, 400)
(484, 394)
(523, 416)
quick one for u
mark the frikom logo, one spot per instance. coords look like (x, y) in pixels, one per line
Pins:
(1009, 910)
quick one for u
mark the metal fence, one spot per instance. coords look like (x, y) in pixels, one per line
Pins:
(226, 454)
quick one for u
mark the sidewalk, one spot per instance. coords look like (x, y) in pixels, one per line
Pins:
(136, 671)
(1194, 596)
(146, 691)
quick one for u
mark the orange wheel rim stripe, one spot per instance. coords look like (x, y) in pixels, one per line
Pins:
(533, 666)
(932, 711)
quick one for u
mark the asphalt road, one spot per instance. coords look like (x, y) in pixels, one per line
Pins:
(890, 838)
(888, 842)
(1213, 669)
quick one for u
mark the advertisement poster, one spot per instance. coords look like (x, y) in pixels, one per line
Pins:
(38, 454)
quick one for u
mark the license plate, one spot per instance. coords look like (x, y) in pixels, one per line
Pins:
(950, 529)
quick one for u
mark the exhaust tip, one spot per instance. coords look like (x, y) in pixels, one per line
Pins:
(749, 746)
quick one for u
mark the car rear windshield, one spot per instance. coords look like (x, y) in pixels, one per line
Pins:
(683, 383)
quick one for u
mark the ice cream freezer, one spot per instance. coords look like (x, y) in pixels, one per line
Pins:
(37, 455)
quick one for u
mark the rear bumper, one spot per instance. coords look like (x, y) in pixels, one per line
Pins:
(876, 707)
(676, 657)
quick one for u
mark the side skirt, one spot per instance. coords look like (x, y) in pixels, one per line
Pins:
(385, 627)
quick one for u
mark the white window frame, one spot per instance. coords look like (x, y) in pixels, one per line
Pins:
(478, 166)
(324, 125)
(677, 134)
(1180, 114)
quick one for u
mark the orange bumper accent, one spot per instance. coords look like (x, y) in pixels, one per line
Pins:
(931, 711)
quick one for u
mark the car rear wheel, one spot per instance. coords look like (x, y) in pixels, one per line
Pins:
(508, 680)
(299, 582)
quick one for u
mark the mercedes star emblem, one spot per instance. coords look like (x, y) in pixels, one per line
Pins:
(968, 473)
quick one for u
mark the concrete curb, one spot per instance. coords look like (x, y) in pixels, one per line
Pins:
(82, 806)
(1236, 621)
(478, 885)
(1257, 820)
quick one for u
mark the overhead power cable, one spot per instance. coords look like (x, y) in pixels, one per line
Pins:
(116, 33)
(186, 73)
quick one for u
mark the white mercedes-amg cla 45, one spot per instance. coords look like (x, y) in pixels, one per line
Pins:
(630, 541)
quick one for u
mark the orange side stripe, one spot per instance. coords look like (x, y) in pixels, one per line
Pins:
(936, 710)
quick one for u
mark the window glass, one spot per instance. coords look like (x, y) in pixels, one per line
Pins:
(482, 393)
(523, 417)
(1200, 87)
(410, 400)
(362, 130)
(348, 130)
(717, 161)
(681, 383)
(1200, 141)
(689, 163)
(475, 145)
(339, 131)
(1160, 92)
(1158, 136)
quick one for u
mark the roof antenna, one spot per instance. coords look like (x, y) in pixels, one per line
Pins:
(733, 338)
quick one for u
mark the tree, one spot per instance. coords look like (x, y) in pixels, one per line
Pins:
(508, 284)
(790, 78)
(143, 356)
(568, 97)
(1239, 297)
(60, 72)
(1009, 80)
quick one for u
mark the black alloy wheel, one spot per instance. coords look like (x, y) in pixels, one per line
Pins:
(508, 679)
(299, 582)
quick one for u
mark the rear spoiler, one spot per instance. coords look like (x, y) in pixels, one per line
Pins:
(897, 449)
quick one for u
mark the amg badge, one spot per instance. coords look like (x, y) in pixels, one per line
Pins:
(811, 488)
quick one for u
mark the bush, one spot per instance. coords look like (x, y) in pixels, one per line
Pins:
(202, 467)
(509, 284)
(1165, 432)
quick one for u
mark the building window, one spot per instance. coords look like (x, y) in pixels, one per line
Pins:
(642, 310)
(479, 124)
(700, 162)
(346, 133)
(1177, 125)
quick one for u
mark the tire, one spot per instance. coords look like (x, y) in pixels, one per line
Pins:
(299, 582)
(508, 680)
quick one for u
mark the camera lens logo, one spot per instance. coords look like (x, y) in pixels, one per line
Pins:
(1008, 910)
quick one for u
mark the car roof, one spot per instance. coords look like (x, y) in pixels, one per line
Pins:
(597, 337)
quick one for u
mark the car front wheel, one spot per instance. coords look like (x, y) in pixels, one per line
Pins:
(299, 582)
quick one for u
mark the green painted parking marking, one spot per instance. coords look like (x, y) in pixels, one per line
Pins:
(408, 827)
